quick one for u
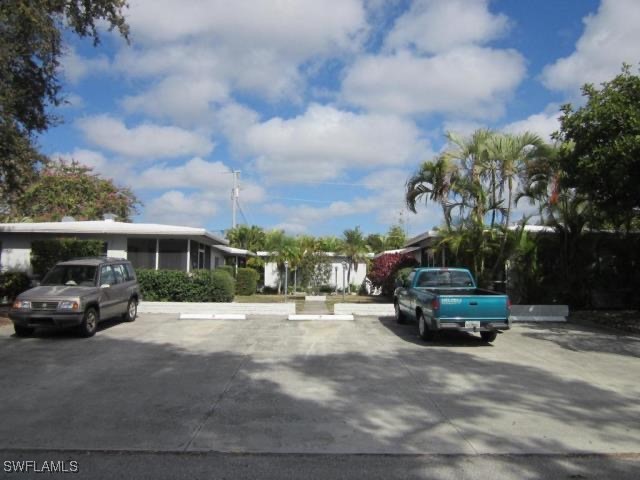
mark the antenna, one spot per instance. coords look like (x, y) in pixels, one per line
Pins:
(235, 193)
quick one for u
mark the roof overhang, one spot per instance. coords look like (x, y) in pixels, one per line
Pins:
(101, 227)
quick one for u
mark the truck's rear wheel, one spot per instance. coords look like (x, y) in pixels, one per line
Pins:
(424, 332)
(488, 336)
(398, 313)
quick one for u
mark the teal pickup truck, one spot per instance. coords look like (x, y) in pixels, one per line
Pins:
(448, 299)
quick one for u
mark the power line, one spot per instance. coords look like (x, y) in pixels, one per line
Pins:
(304, 200)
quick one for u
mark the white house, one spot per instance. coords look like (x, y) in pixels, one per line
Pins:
(146, 245)
(338, 278)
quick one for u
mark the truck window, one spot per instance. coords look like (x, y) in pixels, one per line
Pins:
(444, 278)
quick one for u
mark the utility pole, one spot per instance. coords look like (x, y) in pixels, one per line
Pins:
(235, 193)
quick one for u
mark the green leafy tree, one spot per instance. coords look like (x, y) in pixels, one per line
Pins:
(355, 249)
(70, 189)
(602, 161)
(396, 238)
(377, 243)
(252, 238)
(330, 244)
(30, 49)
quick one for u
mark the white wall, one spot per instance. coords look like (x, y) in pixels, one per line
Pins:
(16, 253)
(357, 276)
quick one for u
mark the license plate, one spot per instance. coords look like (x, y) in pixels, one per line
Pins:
(472, 324)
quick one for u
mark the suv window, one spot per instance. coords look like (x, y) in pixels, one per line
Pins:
(106, 275)
(70, 275)
(131, 276)
(120, 273)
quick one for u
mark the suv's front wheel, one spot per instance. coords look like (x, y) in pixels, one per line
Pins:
(132, 310)
(89, 323)
(23, 331)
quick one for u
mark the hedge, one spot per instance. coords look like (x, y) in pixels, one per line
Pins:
(177, 286)
(46, 253)
(246, 281)
(13, 284)
(230, 269)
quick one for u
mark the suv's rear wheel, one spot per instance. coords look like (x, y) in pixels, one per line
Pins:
(89, 323)
(23, 331)
(132, 310)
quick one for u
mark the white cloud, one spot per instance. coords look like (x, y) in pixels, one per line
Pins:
(382, 200)
(183, 99)
(301, 27)
(176, 208)
(119, 172)
(204, 49)
(323, 142)
(433, 26)
(143, 141)
(543, 124)
(611, 37)
(471, 81)
(214, 178)
(75, 67)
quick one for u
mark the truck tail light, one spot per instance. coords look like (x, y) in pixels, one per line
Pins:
(508, 303)
(435, 304)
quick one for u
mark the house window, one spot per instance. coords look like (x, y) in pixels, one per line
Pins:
(173, 254)
(142, 252)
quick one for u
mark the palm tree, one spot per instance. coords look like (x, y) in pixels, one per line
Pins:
(355, 249)
(433, 182)
(280, 248)
(510, 153)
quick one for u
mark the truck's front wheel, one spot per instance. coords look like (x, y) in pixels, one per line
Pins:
(424, 332)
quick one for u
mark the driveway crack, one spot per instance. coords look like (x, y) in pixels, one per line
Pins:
(213, 409)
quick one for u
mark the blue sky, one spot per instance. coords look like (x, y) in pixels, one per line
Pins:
(325, 107)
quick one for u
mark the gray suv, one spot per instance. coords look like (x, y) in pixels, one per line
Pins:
(78, 293)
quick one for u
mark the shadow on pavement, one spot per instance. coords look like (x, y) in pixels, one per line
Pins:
(180, 391)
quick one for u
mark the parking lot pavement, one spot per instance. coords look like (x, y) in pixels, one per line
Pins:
(365, 387)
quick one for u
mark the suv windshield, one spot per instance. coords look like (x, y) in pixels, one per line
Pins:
(71, 275)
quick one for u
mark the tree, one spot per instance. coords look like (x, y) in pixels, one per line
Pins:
(396, 238)
(250, 238)
(30, 50)
(377, 243)
(70, 189)
(433, 182)
(355, 249)
(603, 159)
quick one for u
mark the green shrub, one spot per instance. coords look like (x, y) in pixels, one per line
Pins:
(230, 269)
(246, 281)
(13, 284)
(209, 286)
(177, 286)
(46, 253)
(162, 285)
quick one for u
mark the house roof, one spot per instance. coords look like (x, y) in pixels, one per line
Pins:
(109, 227)
(397, 250)
(238, 252)
(414, 241)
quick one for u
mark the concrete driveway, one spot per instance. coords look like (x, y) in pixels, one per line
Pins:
(368, 387)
